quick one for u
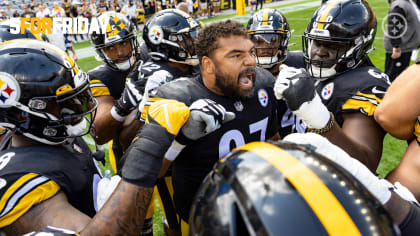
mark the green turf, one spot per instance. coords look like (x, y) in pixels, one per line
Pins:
(393, 148)
(83, 44)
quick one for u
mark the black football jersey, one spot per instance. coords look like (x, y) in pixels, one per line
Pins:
(286, 118)
(358, 90)
(30, 175)
(255, 120)
(107, 82)
(295, 59)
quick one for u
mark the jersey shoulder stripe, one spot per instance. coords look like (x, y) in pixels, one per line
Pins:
(365, 103)
(417, 130)
(24, 193)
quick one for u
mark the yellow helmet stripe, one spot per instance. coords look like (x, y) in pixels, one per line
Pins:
(326, 13)
(322, 201)
(265, 17)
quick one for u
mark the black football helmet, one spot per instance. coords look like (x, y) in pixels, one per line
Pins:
(43, 93)
(284, 189)
(6, 35)
(118, 29)
(270, 32)
(170, 36)
(346, 26)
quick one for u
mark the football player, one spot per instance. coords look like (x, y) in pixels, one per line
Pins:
(336, 47)
(270, 32)
(399, 115)
(229, 77)
(117, 97)
(169, 36)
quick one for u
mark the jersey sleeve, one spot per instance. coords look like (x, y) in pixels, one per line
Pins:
(417, 130)
(363, 102)
(20, 193)
(368, 95)
(98, 88)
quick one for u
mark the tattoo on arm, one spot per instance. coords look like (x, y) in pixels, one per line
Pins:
(124, 212)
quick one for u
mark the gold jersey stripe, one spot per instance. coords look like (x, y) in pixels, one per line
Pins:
(34, 196)
(100, 91)
(417, 131)
(353, 104)
(324, 204)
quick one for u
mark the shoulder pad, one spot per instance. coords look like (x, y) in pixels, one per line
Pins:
(184, 89)
(264, 78)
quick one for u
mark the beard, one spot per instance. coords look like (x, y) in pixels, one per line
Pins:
(230, 86)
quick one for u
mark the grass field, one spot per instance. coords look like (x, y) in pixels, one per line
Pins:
(393, 148)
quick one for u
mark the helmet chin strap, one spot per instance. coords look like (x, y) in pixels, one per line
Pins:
(126, 64)
(76, 130)
(267, 62)
(326, 72)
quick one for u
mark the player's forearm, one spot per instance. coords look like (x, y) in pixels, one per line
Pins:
(393, 123)
(123, 213)
(106, 126)
(399, 109)
(369, 155)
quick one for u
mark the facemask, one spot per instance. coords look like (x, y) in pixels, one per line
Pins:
(77, 130)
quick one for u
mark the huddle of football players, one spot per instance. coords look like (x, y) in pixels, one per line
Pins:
(240, 135)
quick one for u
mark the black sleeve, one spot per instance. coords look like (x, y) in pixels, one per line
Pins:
(396, 40)
(411, 224)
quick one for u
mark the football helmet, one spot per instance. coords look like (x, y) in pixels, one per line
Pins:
(118, 29)
(270, 32)
(347, 28)
(284, 189)
(170, 36)
(43, 93)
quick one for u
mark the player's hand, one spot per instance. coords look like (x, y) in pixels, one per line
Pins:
(296, 87)
(132, 94)
(129, 99)
(205, 117)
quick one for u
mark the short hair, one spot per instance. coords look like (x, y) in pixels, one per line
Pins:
(206, 42)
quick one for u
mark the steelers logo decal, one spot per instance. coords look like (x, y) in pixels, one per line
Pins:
(155, 35)
(327, 91)
(263, 97)
(9, 90)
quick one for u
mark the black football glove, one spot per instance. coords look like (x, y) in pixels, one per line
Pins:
(296, 87)
(133, 92)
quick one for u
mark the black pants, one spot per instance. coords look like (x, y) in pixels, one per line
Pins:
(393, 67)
(261, 4)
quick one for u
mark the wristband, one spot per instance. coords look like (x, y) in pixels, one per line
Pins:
(324, 130)
(117, 116)
(174, 150)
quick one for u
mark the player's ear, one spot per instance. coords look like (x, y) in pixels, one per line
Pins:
(208, 66)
